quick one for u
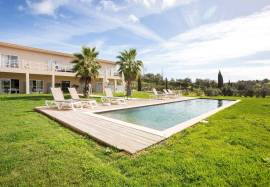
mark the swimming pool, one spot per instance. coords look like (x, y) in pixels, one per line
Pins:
(164, 116)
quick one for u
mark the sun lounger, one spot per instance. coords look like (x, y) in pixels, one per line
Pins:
(61, 102)
(170, 95)
(86, 102)
(109, 98)
(158, 96)
(171, 92)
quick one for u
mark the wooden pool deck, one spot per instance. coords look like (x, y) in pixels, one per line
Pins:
(122, 136)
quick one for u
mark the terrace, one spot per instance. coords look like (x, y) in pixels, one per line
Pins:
(122, 135)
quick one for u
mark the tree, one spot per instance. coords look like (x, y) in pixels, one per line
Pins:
(86, 66)
(220, 80)
(139, 83)
(129, 66)
(166, 83)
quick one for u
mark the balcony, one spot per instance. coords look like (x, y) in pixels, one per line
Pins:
(47, 68)
(34, 67)
(108, 72)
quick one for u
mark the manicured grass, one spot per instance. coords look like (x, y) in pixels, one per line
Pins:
(232, 149)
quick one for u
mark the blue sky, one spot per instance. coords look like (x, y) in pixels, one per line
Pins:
(181, 38)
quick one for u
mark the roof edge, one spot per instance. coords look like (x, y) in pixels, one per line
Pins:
(27, 48)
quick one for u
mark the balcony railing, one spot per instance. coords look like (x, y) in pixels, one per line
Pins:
(108, 72)
(35, 66)
(49, 67)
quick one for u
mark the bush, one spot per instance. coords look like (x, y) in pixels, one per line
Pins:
(212, 92)
(262, 92)
(198, 92)
(249, 92)
(229, 91)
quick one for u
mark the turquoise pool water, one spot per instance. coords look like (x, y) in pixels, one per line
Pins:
(161, 117)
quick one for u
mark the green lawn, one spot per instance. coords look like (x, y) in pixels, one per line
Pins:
(232, 149)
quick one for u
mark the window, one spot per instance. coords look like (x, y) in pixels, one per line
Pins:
(36, 86)
(9, 61)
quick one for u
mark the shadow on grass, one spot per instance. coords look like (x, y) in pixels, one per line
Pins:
(26, 97)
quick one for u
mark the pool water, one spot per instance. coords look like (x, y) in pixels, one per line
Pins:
(164, 116)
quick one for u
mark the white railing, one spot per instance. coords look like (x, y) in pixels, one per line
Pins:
(49, 67)
(63, 68)
(109, 72)
(34, 65)
(11, 64)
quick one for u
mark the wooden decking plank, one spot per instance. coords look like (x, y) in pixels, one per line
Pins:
(114, 138)
(115, 134)
(138, 132)
(119, 136)
(131, 132)
(126, 128)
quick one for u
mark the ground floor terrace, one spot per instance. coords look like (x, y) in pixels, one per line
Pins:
(36, 83)
(124, 135)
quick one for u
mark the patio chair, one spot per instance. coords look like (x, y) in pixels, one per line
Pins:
(109, 98)
(61, 102)
(86, 102)
(157, 95)
(170, 95)
(171, 92)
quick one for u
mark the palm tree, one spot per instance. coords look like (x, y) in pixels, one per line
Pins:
(129, 66)
(86, 66)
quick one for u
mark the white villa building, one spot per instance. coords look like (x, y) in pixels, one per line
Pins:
(31, 70)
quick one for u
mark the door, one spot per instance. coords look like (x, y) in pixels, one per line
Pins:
(36, 86)
(5, 85)
(65, 85)
(98, 87)
(15, 86)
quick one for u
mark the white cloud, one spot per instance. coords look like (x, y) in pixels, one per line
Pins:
(258, 62)
(109, 6)
(96, 43)
(210, 12)
(45, 7)
(133, 18)
(161, 4)
(218, 42)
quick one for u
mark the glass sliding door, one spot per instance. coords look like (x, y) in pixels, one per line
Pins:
(9, 86)
(36, 86)
(5, 85)
(65, 85)
(98, 87)
(14, 86)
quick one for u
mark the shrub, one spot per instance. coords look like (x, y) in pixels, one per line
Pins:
(229, 91)
(249, 92)
(212, 92)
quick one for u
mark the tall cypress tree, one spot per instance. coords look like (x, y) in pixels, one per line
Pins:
(139, 83)
(166, 83)
(220, 80)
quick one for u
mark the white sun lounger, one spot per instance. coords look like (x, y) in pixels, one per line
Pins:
(171, 95)
(61, 102)
(109, 98)
(171, 92)
(157, 95)
(85, 102)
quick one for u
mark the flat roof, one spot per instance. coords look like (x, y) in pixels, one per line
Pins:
(27, 48)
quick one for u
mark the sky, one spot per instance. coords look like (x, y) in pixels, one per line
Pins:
(179, 38)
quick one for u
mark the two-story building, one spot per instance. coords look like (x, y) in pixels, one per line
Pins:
(31, 70)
